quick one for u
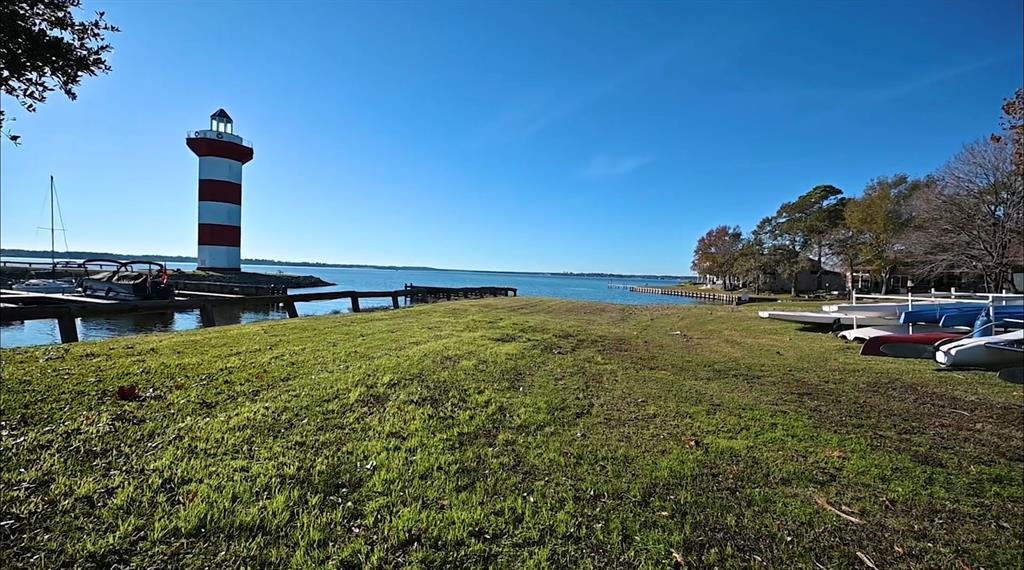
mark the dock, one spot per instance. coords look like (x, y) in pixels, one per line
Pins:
(703, 295)
(65, 309)
(235, 282)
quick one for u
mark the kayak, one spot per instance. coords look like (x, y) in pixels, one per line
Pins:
(986, 352)
(825, 318)
(967, 319)
(865, 333)
(873, 346)
(935, 313)
(959, 316)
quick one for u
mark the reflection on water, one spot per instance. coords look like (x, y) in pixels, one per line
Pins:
(557, 286)
(238, 315)
(107, 327)
(95, 328)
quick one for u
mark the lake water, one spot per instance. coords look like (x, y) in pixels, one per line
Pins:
(555, 286)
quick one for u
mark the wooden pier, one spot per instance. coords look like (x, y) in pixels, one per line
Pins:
(21, 306)
(703, 295)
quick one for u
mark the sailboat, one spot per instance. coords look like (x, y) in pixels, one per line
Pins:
(51, 285)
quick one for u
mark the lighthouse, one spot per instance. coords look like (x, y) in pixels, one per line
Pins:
(221, 155)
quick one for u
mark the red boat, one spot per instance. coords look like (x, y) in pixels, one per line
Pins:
(873, 346)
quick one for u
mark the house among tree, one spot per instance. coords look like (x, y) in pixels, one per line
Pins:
(864, 280)
(810, 279)
(902, 280)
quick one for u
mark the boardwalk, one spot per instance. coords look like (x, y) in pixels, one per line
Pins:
(20, 306)
(704, 295)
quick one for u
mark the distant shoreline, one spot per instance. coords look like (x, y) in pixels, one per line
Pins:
(16, 253)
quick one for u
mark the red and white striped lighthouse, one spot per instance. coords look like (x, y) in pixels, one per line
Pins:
(221, 155)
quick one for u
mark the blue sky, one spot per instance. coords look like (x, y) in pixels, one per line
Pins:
(499, 135)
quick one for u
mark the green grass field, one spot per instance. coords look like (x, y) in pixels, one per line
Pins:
(506, 432)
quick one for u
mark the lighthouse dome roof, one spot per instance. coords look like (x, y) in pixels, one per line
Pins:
(221, 114)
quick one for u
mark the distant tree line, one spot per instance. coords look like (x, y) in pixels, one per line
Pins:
(967, 218)
(81, 255)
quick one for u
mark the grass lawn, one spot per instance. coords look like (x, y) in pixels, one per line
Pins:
(506, 432)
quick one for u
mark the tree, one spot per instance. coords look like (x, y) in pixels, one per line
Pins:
(800, 228)
(881, 217)
(753, 264)
(844, 246)
(808, 220)
(1012, 123)
(44, 47)
(778, 254)
(971, 218)
(715, 253)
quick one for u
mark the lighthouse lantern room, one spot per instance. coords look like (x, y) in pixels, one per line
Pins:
(221, 155)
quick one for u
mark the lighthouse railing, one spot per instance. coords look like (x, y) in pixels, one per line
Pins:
(207, 134)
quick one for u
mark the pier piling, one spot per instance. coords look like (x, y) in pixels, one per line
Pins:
(68, 329)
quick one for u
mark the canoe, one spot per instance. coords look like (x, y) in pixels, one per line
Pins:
(935, 313)
(967, 319)
(825, 318)
(977, 352)
(873, 346)
(959, 316)
(865, 333)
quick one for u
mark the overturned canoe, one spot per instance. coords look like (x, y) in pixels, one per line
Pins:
(873, 346)
(968, 318)
(959, 316)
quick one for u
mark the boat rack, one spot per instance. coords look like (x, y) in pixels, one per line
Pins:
(19, 306)
(951, 295)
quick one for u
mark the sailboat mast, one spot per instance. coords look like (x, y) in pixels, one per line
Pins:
(53, 245)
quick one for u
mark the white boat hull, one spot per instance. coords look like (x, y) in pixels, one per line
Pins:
(827, 318)
(972, 353)
(879, 309)
(864, 333)
(49, 286)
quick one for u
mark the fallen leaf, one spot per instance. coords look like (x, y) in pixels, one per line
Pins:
(678, 559)
(835, 454)
(129, 392)
(174, 549)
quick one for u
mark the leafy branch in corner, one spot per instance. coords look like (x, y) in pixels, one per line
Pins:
(44, 47)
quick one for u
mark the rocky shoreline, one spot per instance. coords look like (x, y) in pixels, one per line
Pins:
(247, 278)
